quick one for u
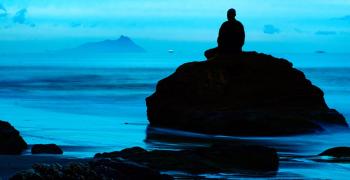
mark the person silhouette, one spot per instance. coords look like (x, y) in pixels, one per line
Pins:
(231, 37)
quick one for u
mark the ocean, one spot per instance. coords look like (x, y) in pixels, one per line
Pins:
(90, 104)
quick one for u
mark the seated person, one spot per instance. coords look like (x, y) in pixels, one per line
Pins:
(231, 37)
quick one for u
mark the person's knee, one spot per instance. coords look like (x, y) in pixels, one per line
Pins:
(210, 53)
(207, 54)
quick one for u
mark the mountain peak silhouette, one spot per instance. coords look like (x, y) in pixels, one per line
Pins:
(123, 44)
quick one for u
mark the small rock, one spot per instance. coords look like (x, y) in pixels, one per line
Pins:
(46, 149)
(337, 152)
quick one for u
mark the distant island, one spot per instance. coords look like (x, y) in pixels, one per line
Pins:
(122, 45)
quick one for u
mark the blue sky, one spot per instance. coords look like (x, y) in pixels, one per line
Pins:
(271, 25)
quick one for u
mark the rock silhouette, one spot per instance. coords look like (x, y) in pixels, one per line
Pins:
(231, 37)
(338, 152)
(221, 157)
(335, 155)
(95, 169)
(244, 94)
(46, 149)
(10, 140)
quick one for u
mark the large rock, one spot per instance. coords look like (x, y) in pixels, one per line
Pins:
(217, 158)
(245, 94)
(10, 140)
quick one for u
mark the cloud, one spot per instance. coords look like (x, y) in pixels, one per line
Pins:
(344, 33)
(3, 11)
(326, 33)
(3, 15)
(82, 25)
(2, 8)
(93, 25)
(271, 29)
(300, 31)
(344, 18)
(75, 24)
(20, 16)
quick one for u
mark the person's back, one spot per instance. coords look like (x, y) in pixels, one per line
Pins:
(231, 36)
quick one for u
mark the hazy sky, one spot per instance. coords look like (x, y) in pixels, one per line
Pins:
(271, 25)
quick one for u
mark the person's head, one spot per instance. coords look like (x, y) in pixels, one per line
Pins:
(231, 14)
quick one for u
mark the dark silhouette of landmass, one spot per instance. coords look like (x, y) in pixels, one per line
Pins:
(122, 45)
(231, 37)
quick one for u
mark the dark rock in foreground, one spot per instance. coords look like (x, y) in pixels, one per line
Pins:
(246, 94)
(217, 158)
(103, 169)
(46, 149)
(337, 152)
(10, 140)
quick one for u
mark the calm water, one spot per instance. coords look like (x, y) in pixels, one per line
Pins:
(97, 104)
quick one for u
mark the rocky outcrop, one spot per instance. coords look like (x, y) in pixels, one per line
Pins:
(46, 149)
(335, 155)
(10, 140)
(338, 152)
(244, 94)
(103, 169)
(217, 158)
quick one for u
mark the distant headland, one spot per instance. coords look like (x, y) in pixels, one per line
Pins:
(121, 45)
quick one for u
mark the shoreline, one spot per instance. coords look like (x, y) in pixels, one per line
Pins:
(290, 159)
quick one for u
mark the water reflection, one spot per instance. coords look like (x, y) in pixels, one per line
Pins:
(298, 154)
